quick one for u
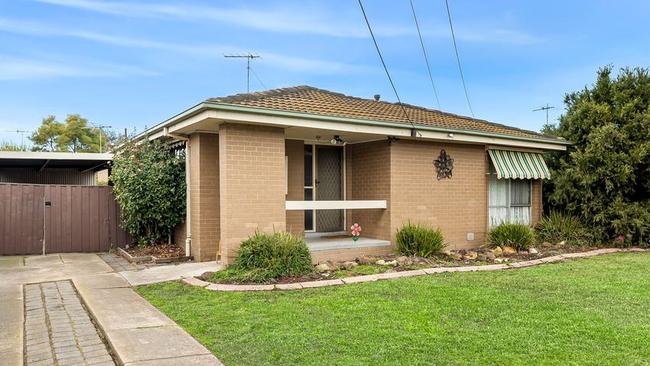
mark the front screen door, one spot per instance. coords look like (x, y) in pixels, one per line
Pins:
(329, 186)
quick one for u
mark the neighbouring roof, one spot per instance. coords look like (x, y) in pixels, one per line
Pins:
(307, 99)
(26, 159)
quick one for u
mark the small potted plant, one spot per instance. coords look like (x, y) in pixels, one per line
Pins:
(356, 231)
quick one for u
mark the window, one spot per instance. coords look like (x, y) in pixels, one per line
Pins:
(509, 200)
(309, 185)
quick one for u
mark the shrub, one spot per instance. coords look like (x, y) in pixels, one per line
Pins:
(518, 236)
(263, 257)
(558, 227)
(603, 177)
(419, 240)
(149, 185)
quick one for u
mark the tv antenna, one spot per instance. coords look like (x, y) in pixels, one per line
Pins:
(249, 57)
(544, 108)
(22, 136)
(101, 132)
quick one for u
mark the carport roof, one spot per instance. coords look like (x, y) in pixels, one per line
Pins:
(34, 159)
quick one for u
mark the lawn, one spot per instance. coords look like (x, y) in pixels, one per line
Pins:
(589, 311)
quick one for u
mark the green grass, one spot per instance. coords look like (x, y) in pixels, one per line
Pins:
(588, 312)
(360, 270)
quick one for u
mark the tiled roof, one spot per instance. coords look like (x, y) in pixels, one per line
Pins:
(307, 99)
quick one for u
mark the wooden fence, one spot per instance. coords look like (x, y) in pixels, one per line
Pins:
(37, 219)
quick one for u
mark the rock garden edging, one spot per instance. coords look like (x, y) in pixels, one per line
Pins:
(193, 281)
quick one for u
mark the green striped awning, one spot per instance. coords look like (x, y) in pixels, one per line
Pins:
(519, 165)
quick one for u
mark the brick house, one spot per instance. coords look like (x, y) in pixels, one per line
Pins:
(313, 162)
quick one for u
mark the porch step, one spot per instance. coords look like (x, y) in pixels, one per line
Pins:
(322, 244)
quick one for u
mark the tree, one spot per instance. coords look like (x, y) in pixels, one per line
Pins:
(46, 136)
(605, 175)
(77, 136)
(9, 146)
(74, 134)
(149, 185)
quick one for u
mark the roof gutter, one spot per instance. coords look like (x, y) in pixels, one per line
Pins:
(273, 112)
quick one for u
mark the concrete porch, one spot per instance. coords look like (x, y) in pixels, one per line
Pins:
(340, 247)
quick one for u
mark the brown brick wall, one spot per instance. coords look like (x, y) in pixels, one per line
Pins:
(204, 195)
(294, 150)
(180, 235)
(457, 205)
(238, 185)
(368, 172)
(252, 180)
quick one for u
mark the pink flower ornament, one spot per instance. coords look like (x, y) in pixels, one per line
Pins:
(356, 231)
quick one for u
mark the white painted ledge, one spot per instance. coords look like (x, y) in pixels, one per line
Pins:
(335, 205)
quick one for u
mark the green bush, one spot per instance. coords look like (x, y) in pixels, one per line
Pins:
(419, 240)
(517, 236)
(604, 176)
(266, 257)
(149, 185)
(558, 227)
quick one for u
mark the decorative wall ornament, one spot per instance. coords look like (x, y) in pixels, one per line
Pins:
(444, 165)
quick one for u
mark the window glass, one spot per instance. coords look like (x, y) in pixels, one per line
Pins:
(309, 196)
(509, 201)
(309, 220)
(308, 165)
(520, 192)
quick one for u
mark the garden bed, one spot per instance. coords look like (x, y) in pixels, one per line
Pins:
(369, 265)
(163, 253)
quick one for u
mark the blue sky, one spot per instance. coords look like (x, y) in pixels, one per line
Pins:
(134, 63)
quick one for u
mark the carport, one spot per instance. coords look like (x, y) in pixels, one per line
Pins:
(50, 203)
(52, 167)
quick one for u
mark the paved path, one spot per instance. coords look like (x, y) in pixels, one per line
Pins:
(58, 329)
(137, 332)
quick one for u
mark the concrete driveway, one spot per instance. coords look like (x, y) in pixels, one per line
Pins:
(136, 332)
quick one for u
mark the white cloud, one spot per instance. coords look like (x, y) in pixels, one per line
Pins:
(298, 20)
(488, 35)
(12, 68)
(200, 50)
(294, 20)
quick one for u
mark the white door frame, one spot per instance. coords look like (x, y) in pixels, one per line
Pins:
(314, 172)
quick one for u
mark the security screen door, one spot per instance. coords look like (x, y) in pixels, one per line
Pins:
(329, 187)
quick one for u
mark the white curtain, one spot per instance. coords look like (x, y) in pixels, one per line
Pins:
(503, 194)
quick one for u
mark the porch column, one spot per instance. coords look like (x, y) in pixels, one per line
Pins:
(204, 195)
(252, 180)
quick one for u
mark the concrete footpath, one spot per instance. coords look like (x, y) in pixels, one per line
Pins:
(138, 334)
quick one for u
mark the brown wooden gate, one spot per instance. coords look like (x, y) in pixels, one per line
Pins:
(58, 218)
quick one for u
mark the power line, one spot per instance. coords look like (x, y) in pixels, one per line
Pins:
(424, 52)
(460, 68)
(374, 40)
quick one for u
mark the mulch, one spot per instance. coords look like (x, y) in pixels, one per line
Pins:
(158, 251)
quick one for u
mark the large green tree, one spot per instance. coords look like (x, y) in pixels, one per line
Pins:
(78, 136)
(46, 137)
(605, 175)
(75, 134)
